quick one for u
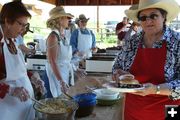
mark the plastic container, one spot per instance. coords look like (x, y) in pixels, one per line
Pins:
(86, 102)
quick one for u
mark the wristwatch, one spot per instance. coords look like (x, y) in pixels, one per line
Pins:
(157, 89)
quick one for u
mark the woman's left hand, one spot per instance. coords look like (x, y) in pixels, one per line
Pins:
(149, 88)
(19, 92)
(64, 87)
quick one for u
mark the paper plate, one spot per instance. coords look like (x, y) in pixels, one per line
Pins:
(114, 86)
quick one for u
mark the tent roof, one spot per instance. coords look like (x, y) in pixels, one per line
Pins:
(92, 2)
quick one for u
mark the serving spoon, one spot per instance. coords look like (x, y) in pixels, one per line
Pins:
(38, 102)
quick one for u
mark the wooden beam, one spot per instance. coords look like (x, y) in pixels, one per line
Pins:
(91, 2)
(50, 1)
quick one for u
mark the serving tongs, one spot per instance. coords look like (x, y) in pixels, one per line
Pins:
(67, 95)
(91, 89)
(38, 102)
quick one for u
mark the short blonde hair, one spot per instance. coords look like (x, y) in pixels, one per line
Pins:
(53, 23)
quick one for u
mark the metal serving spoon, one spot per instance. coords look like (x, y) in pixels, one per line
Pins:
(38, 102)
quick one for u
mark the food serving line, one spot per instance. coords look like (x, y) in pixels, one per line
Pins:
(100, 112)
(99, 69)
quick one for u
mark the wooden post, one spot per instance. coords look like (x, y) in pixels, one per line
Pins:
(97, 18)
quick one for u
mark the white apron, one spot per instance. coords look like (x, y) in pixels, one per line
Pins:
(11, 108)
(67, 33)
(85, 43)
(65, 68)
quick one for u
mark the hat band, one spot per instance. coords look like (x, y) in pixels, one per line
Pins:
(59, 14)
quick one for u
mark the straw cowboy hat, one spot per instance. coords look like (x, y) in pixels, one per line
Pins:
(82, 17)
(170, 6)
(58, 12)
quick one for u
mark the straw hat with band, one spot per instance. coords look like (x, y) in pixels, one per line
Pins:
(170, 6)
(58, 12)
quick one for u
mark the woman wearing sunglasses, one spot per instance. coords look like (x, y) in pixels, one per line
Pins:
(59, 53)
(152, 56)
(15, 86)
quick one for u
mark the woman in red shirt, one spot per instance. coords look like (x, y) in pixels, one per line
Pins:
(152, 56)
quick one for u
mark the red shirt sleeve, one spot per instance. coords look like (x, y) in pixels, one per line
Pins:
(4, 89)
(119, 26)
(121, 34)
(29, 73)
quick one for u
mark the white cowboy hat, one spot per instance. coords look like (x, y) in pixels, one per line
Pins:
(58, 12)
(170, 6)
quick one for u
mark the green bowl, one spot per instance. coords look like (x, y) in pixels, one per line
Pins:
(107, 102)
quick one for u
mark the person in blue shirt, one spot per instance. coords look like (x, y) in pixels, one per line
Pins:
(20, 42)
(82, 39)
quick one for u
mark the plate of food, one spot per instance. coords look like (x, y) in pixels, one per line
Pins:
(123, 87)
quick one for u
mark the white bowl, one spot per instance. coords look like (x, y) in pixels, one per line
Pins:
(106, 94)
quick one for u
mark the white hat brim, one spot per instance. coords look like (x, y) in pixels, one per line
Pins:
(171, 7)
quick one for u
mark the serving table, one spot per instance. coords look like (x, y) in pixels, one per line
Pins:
(113, 112)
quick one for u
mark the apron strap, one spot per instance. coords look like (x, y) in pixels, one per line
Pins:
(11, 46)
(2, 61)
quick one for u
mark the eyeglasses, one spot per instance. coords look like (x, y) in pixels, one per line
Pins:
(22, 24)
(144, 18)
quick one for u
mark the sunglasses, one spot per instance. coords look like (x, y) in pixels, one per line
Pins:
(152, 17)
(83, 21)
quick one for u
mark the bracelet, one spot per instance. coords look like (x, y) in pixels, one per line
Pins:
(157, 89)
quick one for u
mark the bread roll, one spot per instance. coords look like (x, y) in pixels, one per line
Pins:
(127, 79)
